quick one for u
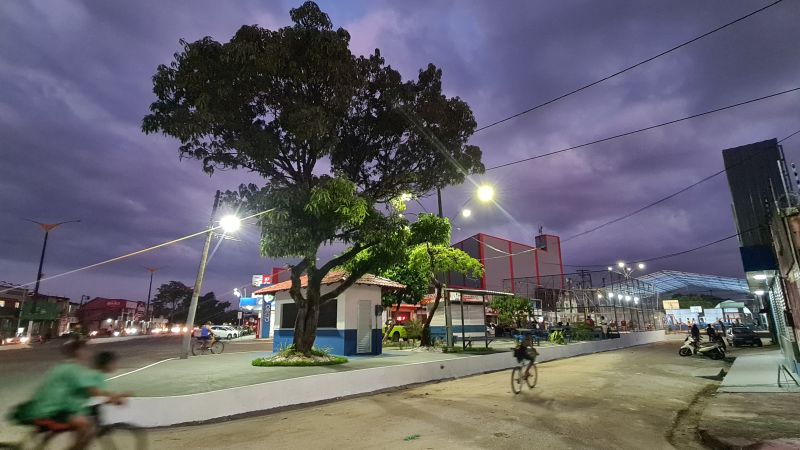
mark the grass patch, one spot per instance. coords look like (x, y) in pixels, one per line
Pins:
(289, 357)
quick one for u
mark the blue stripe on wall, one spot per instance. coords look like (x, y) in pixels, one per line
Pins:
(338, 342)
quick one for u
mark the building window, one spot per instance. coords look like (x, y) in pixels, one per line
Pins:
(16, 305)
(327, 315)
(2, 303)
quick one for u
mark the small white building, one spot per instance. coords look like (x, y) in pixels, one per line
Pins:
(350, 324)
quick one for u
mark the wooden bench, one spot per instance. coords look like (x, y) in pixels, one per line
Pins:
(473, 336)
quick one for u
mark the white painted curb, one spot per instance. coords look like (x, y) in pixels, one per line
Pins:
(163, 411)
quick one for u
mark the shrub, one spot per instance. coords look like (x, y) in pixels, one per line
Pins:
(557, 337)
(582, 332)
(414, 329)
(289, 357)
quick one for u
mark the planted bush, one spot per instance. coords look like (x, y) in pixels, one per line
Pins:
(290, 357)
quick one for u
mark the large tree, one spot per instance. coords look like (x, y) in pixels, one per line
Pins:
(336, 138)
(172, 300)
(427, 255)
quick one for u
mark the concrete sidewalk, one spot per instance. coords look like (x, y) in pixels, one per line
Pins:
(228, 370)
(751, 409)
(759, 372)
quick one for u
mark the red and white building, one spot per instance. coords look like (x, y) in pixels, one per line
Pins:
(111, 314)
(507, 263)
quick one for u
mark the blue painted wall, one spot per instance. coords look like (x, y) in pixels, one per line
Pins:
(339, 342)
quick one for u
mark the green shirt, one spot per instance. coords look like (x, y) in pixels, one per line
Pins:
(65, 391)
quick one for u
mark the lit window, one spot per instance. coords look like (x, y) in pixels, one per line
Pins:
(16, 305)
(2, 303)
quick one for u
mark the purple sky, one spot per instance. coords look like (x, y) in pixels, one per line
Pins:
(75, 80)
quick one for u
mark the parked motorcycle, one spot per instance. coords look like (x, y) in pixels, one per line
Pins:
(690, 347)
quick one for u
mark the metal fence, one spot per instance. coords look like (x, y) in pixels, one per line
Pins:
(628, 304)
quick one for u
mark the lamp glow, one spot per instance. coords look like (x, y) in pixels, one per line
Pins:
(628, 298)
(230, 223)
(485, 193)
(641, 266)
(620, 264)
(759, 292)
(466, 212)
(760, 277)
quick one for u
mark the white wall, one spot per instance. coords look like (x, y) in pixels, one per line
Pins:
(163, 411)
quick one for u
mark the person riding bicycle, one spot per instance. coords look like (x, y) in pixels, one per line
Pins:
(524, 351)
(61, 402)
(206, 334)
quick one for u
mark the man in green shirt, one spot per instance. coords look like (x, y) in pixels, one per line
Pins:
(63, 397)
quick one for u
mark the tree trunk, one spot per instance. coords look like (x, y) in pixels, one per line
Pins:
(391, 322)
(426, 328)
(305, 326)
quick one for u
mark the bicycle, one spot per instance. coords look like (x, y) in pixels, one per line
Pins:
(114, 436)
(522, 372)
(200, 347)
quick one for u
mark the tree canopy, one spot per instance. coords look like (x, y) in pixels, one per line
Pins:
(337, 138)
(172, 301)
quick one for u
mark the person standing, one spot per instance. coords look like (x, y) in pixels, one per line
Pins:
(604, 326)
(695, 331)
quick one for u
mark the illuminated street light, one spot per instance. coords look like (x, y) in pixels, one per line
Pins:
(760, 277)
(610, 268)
(620, 264)
(641, 266)
(627, 298)
(485, 193)
(466, 212)
(759, 292)
(599, 296)
(230, 223)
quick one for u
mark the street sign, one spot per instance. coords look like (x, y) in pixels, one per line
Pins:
(696, 309)
(239, 316)
(671, 304)
(261, 280)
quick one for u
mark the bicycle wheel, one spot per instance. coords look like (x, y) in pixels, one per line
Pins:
(516, 380)
(217, 347)
(532, 375)
(197, 348)
(121, 437)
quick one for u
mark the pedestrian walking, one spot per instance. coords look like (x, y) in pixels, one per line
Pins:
(604, 326)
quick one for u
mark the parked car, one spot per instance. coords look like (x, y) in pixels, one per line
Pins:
(224, 331)
(738, 336)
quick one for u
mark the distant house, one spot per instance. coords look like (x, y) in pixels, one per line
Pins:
(350, 324)
(111, 314)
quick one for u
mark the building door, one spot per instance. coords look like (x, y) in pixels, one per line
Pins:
(364, 331)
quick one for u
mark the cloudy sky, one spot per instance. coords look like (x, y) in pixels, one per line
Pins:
(75, 84)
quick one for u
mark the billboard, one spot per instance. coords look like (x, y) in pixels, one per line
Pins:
(671, 304)
(261, 280)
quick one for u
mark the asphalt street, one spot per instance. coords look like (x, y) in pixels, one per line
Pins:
(21, 370)
(634, 398)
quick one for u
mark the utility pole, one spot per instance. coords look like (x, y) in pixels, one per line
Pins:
(149, 292)
(198, 284)
(47, 227)
(448, 315)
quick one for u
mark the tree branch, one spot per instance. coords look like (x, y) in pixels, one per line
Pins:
(349, 281)
(297, 271)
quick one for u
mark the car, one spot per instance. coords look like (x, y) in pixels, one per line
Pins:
(224, 332)
(738, 336)
(18, 339)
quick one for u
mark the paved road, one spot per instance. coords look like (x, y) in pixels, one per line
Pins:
(633, 398)
(22, 370)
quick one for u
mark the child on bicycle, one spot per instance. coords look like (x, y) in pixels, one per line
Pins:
(61, 402)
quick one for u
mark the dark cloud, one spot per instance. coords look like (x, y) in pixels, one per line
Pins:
(76, 83)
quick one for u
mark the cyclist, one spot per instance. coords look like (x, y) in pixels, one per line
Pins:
(61, 402)
(205, 335)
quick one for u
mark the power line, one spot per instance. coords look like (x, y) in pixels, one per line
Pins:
(562, 96)
(138, 252)
(663, 199)
(597, 141)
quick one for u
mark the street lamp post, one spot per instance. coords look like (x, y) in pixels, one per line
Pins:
(228, 223)
(47, 227)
